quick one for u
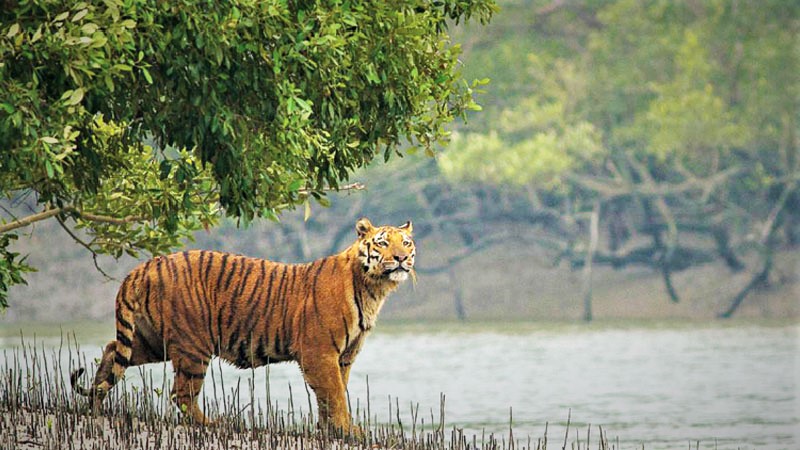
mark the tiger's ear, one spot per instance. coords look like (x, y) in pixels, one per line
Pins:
(408, 227)
(363, 226)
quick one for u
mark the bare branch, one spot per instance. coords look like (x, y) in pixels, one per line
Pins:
(466, 252)
(611, 190)
(348, 187)
(489, 242)
(87, 247)
(769, 225)
(48, 213)
(33, 218)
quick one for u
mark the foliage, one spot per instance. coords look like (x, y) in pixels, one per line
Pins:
(137, 118)
(534, 141)
(691, 130)
(11, 265)
(673, 123)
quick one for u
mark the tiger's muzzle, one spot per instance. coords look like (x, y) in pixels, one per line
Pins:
(398, 269)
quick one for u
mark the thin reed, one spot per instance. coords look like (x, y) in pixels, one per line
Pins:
(39, 410)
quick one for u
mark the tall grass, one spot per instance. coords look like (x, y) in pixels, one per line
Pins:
(39, 410)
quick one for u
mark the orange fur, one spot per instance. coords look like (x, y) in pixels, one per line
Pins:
(186, 307)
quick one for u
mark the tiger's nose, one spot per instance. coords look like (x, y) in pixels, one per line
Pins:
(400, 258)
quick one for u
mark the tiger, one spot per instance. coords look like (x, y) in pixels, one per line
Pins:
(189, 306)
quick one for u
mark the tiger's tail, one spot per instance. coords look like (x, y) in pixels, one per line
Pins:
(96, 392)
(73, 380)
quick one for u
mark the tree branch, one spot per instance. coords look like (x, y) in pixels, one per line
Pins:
(348, 187)
(611, 190)
(769, 225)
(101, 218)
(86, 246)
(768, 241)
(33, 218)
(48, 213)
(665, 258)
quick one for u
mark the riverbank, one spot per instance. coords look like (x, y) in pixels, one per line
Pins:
(41, 428)
(489, 285)
(40, 411)
(56, 428)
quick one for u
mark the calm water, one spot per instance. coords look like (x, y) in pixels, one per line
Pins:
(658, 385)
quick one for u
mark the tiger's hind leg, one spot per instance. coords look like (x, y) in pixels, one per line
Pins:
(144, 348)
(117, 354)
(103, 379)
(190, 371)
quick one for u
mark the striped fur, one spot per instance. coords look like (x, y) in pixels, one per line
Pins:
(187, 307)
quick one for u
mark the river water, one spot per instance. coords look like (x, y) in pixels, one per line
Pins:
(658, 385)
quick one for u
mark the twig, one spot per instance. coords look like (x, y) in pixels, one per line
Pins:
(348, 187)
(9, 212)
(87, 247)
(101, 218)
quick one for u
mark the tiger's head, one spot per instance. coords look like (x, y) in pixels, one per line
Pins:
(386, 252)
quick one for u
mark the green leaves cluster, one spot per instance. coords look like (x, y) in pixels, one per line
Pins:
(247, 107)
(534, 141)
(685, 91)
(674, 124)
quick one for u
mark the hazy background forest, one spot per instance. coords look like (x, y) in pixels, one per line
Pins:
(632, 160)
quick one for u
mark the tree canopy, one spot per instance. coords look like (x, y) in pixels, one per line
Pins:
(134, 123)
(674, 124)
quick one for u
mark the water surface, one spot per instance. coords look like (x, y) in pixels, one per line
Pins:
(724, 385)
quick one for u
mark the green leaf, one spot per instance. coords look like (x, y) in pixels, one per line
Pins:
(296, 184)
(147, 76)
(13, 30)
(49, 168)
(89, 28)
(164, 169)
(75, 97)
(37, 35)
(80, 15)
(108, 80)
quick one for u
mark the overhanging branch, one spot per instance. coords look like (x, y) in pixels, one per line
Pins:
(33, 218)
(51, 212)
(348, 187)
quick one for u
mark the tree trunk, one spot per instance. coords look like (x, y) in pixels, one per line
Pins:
(594, 233)
(458, 295)
(768, 239)
(758, 279)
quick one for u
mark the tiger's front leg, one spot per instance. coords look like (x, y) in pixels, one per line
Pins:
(348, 357)
(322, 373)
